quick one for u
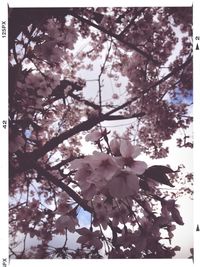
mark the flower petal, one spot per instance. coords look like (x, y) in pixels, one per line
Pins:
(136, 151)
(126, 148)
(83, 231)
(82, 239)
(138, 167)
(114, 146)
(93, 136)
(132, 184)
(90, 192)
(123, 185)
(117, 187)
(65, 221)
(96, 243)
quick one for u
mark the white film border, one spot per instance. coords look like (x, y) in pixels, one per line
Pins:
(4, 133)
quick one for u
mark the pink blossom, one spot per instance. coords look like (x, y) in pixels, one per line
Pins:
(98, 164)
(53, 28)
(170, 207)
(34, 80)
(114, 146)
(67, 90)
(119, 215)
(44, 91)
(129, 153)
(70, 37)
(115, 96)
(66, 37)
(63, 197)
(66, 222)
(101, 211)
(89, 192)
(98, 203)
(84, 172)
(38, 103)
(126, 239)
(89, 238)
(34, 204)
(104, 165)
(123, 184)
(24, 213)
(102, 218)
(63, 208)
(16, 143)
(49, 51)
(141, 242)
(85, 176)
(138, 166)
(93, 136)
(127, 150)
(53, 79)
(78, 163)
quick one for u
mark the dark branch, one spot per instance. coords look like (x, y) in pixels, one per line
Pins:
(173, 72)
(63, 186)
(86, 102)
(73, 13)
(121, 117)
(101, 73)
(137, 13)
(64, 162)
(27, 160)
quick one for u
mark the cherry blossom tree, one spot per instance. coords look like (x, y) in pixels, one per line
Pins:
(146, 55)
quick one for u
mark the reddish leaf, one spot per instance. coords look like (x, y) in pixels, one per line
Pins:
(158, 173)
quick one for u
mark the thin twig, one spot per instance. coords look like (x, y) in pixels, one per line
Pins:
(27, 160)
(101, 73)
(114, 35)
(63, 186)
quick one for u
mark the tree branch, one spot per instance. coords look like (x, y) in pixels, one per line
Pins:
(99, 78)
(121, 117)
(86, 102)
(137, 13)
(64, 162)
(27, 160)
(73, 13)
(58, 93)
(173, 72)
(63, 186)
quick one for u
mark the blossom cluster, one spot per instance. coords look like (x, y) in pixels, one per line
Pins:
(57, 38)
(39, 85)
(16, 143)
(66, 220)
(115, 173)
(129, 213)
